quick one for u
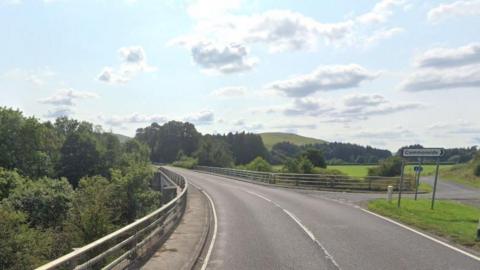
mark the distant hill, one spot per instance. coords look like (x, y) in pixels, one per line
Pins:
(122, 138)
(271, 138)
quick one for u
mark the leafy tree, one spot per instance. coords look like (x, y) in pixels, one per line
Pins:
(214, 152)
(134, 197)
(304, 165)
(283, 151)
(168, 140)
(9, 180)
(79, 157)
(45, 201)
(259, 164)
(21, 247)
(245, 146)
(316, 157)
(389, 167)
(92, 213)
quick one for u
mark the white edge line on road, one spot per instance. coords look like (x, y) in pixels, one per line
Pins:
(214, 237)
(299, 223)
(422, 234)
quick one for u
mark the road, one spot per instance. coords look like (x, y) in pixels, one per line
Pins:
(262, 227)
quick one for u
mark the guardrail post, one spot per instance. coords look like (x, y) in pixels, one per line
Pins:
(369, 183)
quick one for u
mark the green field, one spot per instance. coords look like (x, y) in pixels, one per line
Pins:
(352, 170)
(271, 138)
(452, 220)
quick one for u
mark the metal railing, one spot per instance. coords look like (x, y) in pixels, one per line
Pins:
(315, 181)
(126, 246)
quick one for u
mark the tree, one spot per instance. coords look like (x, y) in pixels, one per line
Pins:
(9, 180)
(214, 152)
(301, 164)
(282, 151)
(45, 201)
(92, 212)
(168, 140)
(21, 247)
(316, 157)
(79, 157)
(259, 164)
(134, 197)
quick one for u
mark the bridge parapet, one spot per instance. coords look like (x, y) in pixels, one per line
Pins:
(128, 245)
(315, 181)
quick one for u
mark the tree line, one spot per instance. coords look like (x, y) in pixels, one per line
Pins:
(64, 184)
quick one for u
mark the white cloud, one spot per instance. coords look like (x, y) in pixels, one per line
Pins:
(133, 61)
(219, 57)
(201, 118)
(380, 12)
(280, 30)
(397, 133)
(324, 78)
(347, 109)
(454, 9)
(133, 119)
(462, 77)
(363, 100)
(66, 97)
(230, 91)
(376, 36)
(450, 57)
(308, 106)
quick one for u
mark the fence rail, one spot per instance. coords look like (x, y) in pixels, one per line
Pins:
(315, 181)
(126, 246)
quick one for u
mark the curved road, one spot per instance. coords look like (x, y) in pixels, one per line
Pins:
(262, 227)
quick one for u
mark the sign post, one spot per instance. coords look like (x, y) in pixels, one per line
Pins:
(400, 185)
(418, 171)
(422, 153)
(435, 183)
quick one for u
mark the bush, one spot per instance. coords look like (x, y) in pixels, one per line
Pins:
(186, 162)
(298, 165)
(391, 166)
(259, 164)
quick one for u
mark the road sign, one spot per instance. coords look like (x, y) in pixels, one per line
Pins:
(423, 152)
(418, 168)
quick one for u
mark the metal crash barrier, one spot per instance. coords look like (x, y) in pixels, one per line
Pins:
(314, 181)
(128, 245)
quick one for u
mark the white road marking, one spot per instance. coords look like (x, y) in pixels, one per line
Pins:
(423, 234)
(300, 224)
(214, 237)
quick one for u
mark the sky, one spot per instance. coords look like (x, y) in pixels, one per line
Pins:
(382, 73)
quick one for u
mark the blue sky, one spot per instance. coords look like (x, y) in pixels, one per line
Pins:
(384, 73)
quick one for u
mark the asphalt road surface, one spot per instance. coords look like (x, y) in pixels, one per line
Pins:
(261, 227)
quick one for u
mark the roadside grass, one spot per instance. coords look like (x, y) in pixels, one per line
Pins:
(462, 174)
(452, 220)
(428, 170)
(424, 187)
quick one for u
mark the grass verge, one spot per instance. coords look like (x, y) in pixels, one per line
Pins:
(452, 220)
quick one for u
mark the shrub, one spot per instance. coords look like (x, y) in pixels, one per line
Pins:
(186, 162)
(391, 166)
(298, 165)
(259, 164)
